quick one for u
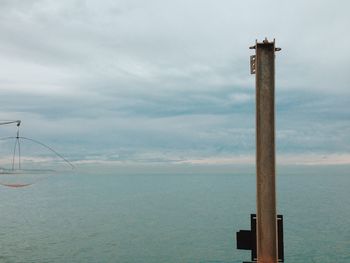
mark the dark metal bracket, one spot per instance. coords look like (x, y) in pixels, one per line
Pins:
(246, 239)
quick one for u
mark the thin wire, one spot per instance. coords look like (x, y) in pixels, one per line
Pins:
(14, 154)
(19, 148)
(6, 138)
(9, 122)
(48, 147)
(19, 154)
(38, 142)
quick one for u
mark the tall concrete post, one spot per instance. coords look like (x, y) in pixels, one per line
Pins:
(266, 227)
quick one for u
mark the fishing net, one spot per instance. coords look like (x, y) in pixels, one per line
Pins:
(20, 169)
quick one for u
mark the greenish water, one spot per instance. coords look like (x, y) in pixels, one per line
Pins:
(193, 217)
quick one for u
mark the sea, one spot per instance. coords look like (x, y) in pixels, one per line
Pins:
(168, 215)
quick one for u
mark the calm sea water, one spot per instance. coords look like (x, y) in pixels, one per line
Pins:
(164, 217)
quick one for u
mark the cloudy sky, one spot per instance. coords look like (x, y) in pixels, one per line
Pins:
(169, 81)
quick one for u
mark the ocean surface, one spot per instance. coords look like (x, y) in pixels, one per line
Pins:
(95, 216)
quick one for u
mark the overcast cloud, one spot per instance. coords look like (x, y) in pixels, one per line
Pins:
(168, 81)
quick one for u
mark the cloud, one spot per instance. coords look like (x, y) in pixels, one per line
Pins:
(132, 79)
(299, 159)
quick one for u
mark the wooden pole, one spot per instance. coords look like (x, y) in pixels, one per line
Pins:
(265, 152)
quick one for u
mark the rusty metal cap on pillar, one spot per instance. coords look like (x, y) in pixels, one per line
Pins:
(265, 41)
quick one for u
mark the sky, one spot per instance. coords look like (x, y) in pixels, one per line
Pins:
(162, 81)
